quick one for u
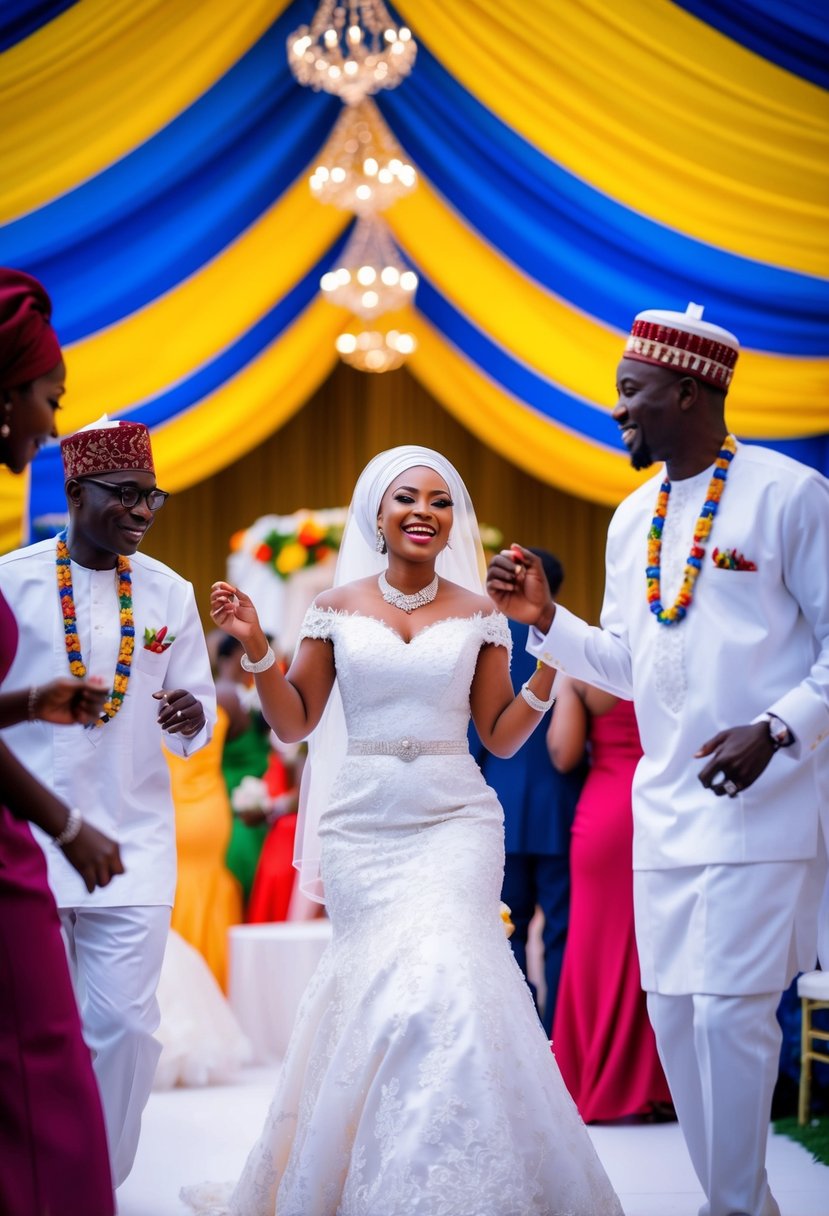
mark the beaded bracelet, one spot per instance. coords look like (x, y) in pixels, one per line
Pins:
(73, 825)
(261, 665)
(535, 702)
(31, 703)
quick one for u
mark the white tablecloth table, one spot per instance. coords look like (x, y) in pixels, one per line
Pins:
(270, 966)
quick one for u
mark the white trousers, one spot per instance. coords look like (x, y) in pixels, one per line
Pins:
(720, 1055)
(115, 955)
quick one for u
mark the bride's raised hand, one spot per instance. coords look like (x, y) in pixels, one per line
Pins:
(234, 611)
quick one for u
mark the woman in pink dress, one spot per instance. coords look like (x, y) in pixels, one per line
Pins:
(53, 1153)
(603, 1041)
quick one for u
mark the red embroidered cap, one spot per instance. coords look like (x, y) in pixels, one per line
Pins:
(685, 343)
(105, 447)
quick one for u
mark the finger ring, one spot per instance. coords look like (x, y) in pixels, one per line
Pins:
(731, 788)
(178, 715)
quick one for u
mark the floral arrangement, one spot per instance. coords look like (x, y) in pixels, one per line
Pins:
(506, 917)
(158, 640)
(304, 539)
(731, 559)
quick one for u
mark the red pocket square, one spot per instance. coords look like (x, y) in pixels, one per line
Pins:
(731, 559)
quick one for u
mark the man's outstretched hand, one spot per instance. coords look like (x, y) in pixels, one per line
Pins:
(517, 584)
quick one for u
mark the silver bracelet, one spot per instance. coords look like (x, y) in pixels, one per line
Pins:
(73, 825)
(535, 702)
(31, 703)
(262, 665)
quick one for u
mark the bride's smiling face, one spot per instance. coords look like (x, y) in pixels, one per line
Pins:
(416, 514)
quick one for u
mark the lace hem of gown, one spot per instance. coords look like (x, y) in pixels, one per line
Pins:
(208, 1198)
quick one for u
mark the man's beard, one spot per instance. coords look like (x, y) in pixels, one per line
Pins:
(641, 457)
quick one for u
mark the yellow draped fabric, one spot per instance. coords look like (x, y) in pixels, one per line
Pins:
(548, 451)
(720, 144)
(643, 102)
(13, 499)
(576, 351)
(230, 422)
(205, 314)
(104, 76)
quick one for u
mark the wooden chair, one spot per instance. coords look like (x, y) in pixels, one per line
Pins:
(813, 990)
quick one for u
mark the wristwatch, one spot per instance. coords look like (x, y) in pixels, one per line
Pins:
(779, 732)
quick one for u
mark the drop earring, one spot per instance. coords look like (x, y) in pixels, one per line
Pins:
(5, 429)
(380, 542)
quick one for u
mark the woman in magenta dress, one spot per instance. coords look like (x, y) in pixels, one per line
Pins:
(603, 1041)
(53, 1153)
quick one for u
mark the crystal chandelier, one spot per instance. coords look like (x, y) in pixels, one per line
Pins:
(372, 278)
(352, 48)
(361, 168)
(374, 350)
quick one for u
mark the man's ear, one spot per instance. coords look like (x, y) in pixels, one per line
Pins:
(688, 392)
(73, 491)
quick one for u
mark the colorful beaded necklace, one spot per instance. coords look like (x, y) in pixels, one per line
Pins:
(693, 565)
(70, 628)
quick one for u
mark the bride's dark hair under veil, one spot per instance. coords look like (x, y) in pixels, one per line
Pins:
(461, 562)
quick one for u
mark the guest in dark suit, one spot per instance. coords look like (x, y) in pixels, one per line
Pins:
(539, 805)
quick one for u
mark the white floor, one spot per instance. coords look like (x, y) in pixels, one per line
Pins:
(190, 1135)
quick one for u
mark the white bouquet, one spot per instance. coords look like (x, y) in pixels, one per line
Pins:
(251, 794)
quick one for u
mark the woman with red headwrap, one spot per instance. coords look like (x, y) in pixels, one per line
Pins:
(53, 1153)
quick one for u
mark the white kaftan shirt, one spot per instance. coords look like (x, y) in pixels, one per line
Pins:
(115, 774)
(752, 642)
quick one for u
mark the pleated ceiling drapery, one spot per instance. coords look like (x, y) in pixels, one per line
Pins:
(578, 162)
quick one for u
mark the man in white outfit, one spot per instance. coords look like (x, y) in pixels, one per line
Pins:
(716, 624)
(87, 602)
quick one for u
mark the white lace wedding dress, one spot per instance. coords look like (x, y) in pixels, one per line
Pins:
(418, 1081)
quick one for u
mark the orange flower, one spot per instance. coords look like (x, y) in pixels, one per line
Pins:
(310, 534)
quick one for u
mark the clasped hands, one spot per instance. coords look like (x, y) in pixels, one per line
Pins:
(66, 700)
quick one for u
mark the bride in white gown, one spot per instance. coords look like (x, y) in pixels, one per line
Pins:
(418, 1081)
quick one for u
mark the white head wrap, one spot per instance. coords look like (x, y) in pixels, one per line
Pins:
(461, 562)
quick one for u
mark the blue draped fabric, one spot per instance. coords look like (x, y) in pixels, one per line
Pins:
(525, 384)
(46, 485)
(578, 242)
(119, 244)
(794, 34)
(182, 196)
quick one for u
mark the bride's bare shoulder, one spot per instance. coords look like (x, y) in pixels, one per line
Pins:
(351, 597)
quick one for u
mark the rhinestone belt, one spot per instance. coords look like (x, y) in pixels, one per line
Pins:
(408, 749)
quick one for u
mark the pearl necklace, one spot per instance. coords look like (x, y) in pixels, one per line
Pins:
(407, 603)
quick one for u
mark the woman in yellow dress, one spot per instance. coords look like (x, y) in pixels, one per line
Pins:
(208, 897)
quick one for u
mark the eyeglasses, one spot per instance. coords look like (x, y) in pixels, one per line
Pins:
(131, 495)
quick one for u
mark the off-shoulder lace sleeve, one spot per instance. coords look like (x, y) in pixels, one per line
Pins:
(496, 630)
(318, 623)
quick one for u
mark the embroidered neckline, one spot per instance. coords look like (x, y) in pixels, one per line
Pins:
(77, 666)
(443, 620)
(702, 530)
